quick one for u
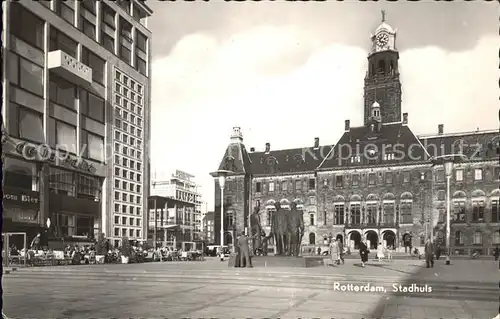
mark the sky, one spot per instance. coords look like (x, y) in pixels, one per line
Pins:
(287, 72)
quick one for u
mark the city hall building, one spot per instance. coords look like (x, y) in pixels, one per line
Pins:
(76, 114)
(378, 182)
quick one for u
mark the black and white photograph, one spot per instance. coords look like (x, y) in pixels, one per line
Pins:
(250, 159)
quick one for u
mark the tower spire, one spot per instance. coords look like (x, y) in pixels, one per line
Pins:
(383, 15)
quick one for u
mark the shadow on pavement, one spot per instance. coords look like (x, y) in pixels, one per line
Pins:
(454, 289)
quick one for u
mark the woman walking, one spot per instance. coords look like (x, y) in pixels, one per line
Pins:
(334, 252)
(363, 252)
(380, 252)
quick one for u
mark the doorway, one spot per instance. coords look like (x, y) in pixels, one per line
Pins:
(372, 239)
(390, 239)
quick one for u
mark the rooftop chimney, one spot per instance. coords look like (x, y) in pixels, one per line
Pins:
(405, 118)
(440, 129)
(252, 149)
(237, 136)
(316, 142)
(347, 125)
(268, 147)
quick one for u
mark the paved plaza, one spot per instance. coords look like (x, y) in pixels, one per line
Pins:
(467, 289)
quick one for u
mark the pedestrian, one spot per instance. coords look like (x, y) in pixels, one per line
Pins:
(334, 252)
(35, 243)
(496, 252)
(429, 253)
(341, 250)
(244, 251)
(389, 253)
(438, 252)
(363, 252)
(380, 252)
(319, 251)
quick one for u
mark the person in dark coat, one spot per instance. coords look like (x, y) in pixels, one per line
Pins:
(244, 250)
(363, 252)
(429, 253)
(438, 252)
(496, 252)
(237, 260)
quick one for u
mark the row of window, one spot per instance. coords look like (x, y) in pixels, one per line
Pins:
(127, 151)
(125, 197)
(127, 209)
(66, 225)
(124, 126)
(477, 238)
(126, 163)
(478, 213)
(122, 220)
(129, 140)
(127, 232)
(127, 186)
(129, 83)
(128, 106)
(125, 116)
(127, 94)
(300, 185)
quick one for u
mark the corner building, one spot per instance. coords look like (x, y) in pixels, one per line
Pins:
(377, 182)
(76, 109)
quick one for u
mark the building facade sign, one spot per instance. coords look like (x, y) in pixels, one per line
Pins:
(183, 175)
(58, 157)
(21, 205)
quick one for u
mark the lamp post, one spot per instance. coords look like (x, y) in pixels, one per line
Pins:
(221, 174)
(448, 162)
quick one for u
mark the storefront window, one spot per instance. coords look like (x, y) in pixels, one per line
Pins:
(89, 187)
(62, 182)
(20, 174)
(64, 225)
(85, 226)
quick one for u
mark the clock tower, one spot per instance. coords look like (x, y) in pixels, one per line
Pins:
(382, 83)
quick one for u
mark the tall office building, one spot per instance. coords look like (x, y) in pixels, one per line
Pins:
(76, 108)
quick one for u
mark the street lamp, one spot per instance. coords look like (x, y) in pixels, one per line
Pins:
(221, 174)
(448, 161)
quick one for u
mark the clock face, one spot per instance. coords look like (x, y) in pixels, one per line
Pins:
(382, 39)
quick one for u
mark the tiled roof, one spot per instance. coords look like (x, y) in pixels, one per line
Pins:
(236, 159)
(476, 146)
(394, 138)
(295, 160)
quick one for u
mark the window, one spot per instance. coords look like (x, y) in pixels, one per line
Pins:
(26, 26)
(298, 185)
(62, 92)
(125, 53)
(108, 15)
(388, 214)
(496, 174)
(406, 215)
(138, 233)
(89, 5)
(478, 174)
(312, 184)
(284, 185)
(88, 28)
(372, 179)
(388, 177)
(459, 175)
(66, 137)
(311, 219)
(60, 41)
(62, 182)
(339, 181)
(441, 195)
(107, 42)
(92, 106)
(496, 237)
(117, 220)
(406, 177)
(140, 41)
(478, 238)
(312, 200)
(495, 211)
(65, 11)
(95, 147)
(258, 187)
(64, 225)
(355, 214)
(30, 76)
(459, 238)
(124, 209)
(85, 226)
(117, 195)
(477, 210)
(459, 211)
(95, 63)
(20, 174)
(271, 186)
(440, 176)
(141, 66)
(30, 125)
(339, 214)
(355, 180)
(371, 213)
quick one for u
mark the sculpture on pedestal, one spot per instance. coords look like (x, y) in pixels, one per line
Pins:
(295, 230)
(256, 230)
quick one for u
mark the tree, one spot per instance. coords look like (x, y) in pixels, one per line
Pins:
(101, 246)
(126, 249)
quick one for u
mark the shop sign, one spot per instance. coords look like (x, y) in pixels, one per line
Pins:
(21, 215)
(21, 198)
(59, 157)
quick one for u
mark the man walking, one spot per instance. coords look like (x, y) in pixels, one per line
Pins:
(429, 253)
(341, 250)
(244, 251)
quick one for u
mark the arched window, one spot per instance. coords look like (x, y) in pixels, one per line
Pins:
(459, 238)
(406, 208)
(381, 67)
(478, 238)
(312, 239)
(229, 218)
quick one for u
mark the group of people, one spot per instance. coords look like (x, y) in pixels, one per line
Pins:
(337, 252)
